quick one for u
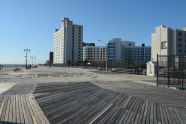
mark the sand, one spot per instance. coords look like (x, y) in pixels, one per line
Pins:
(5, 86)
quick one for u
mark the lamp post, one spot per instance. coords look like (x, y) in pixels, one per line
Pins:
(106, 63)
(26, 54)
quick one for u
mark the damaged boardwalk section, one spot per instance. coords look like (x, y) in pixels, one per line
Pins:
(18, 106)
(83, 103)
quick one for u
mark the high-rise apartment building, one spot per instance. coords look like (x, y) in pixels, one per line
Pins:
(68, 43)
(168, 41)
(94, 53)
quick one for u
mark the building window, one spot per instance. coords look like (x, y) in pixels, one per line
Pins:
(179, 33)
(164, 45)
(179, 39)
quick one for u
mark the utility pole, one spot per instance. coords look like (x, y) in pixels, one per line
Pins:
(26, 54)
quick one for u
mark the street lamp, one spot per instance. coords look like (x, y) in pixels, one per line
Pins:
(26, 54)
(106, 63)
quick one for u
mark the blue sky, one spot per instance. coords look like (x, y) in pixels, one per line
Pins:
(31, 23)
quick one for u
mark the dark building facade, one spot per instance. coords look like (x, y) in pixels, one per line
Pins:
(51, 57)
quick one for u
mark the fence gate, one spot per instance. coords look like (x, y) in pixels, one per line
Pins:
(171, 71)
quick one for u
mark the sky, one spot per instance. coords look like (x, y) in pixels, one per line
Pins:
(31, 23)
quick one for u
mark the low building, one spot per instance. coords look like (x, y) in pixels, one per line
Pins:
(94, 53)
(116, 49)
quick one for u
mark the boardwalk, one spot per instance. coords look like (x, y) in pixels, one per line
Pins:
(82, 103)
(19, 106)
(79, 96)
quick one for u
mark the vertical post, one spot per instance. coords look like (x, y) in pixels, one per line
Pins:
(168, 64)
(106, 68)
(26, 51)
(182, 71)
(157, 71)
(179, 71)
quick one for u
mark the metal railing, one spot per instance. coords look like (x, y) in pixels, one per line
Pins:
(171, 71)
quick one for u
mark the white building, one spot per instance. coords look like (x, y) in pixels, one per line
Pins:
(126, 51)
(94, 53)
(166, 41)
(116, 51)
(68, 43)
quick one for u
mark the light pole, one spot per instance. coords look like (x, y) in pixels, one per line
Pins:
(26, 54)
(106, 63)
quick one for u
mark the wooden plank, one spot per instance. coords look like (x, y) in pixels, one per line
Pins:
(145, 112)
(128, 108)
(170, 121)
(10, 115)
(141, 113)
(178, 116)
(40, 112)
(7, 110)
(164, 117)
(101, 113)
(155, 112)
(38, 121)
(132, 111)
(3, 114)
(21, 114)
(1, 108)
(17, 110)
(26, 109)
(137, 114)
(34, 120)
(25, 113)
(14, 108)
(151, 113)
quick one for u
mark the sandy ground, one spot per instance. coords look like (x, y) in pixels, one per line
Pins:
(5, 86)
(136, 85)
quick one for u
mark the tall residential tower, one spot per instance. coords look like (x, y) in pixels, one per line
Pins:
(68, 43)
(168, 41)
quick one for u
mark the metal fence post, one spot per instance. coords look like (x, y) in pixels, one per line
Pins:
(168, 64)
(182, 71)
(157, 71)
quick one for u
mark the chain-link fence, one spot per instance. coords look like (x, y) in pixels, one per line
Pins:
(171, 71)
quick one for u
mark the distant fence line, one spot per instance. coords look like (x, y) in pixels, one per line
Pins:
(126, 71)
(10, 69)
(101, 67)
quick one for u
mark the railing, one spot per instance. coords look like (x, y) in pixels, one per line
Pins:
(171, 71)
(9, 69)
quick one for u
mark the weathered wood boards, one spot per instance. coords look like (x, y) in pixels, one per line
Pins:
(86, 103)
(18, 105)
